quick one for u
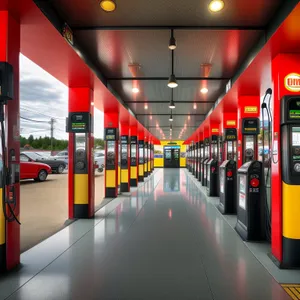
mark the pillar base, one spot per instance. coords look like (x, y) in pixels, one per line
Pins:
(133, 182)
(81, 211)
(2, 258)
(110, 193)
(146, 174)
(124, 187)
(141, 178)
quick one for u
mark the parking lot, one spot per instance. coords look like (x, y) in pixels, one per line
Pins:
(44, 207)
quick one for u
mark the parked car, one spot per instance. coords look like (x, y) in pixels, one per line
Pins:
(33, 170)
(100, 160)
(62, 155)
(57, 166)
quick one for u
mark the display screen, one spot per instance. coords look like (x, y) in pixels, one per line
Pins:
(110, 160)
(141, 155)
(242, 192)
(133, 151)
(124, 152)
(78, 126)
(250, 126)
(295, 136)
(243, 184)
(222, 178)
(294, 114)
(80, 141)
(294, 109)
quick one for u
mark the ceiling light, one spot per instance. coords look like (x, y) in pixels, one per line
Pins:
(189, 117)
(108, 5)
(172, 104)
(172, 82)
(216, 5)
(195, 106)
(150, 117)
(171, 117)
(204, 90)
(92, 103)
(135, 90)
(172, 42)
(146, 106)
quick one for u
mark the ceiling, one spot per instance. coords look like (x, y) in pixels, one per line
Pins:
(138, 32)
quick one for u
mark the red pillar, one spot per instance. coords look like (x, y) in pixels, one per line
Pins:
(285, 206)
(248, 107)
(125, 158)
(9, 52)
(111, 127)
(133, 156)
(81, 178)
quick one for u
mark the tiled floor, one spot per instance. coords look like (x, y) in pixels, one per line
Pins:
(165, 241)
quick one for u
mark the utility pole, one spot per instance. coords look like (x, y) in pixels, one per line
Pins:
(52, 121)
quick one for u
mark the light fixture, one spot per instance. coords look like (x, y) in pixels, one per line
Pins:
(172, 104)
(189, 117)
(172, 79)
(108, 5)
(172, 82)
(135, 90)
(216, 5)
(171, 117)
(92, 103)
(146, 106)
(171, 128)
(195, 106)
(150, 117)
(204, 90)
(172, 42)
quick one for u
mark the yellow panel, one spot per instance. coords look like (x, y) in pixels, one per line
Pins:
(110, 178)
(119, 175)
(182, 162)
(124, 176)
(2, 222)
(158, 162)
(290, 211)
(141, 170)
(81, 188)
(145, 167)
(149, 165)
(133, 173)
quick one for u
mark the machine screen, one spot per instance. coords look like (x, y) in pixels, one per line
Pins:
(110, 153)
(242, 192)
(141, 155)
(133, 151)
(124, 151)
(295, 136)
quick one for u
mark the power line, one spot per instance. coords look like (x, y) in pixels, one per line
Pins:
(32, 120)
(42, 114)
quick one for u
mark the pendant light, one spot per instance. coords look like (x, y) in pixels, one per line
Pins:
(108, 5)
(172, 42)
(172, 104)
(171, 117)
(172, 79)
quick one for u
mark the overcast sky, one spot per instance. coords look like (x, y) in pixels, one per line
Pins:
(42, 97)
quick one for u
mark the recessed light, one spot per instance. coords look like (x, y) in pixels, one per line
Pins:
(92, 103)
(135, 90)
(108, 5)
(204, 90)
(146, 106)
(150, 117)
(216, 5)
(195, 106)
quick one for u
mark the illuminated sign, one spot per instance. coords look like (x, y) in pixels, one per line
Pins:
(215, 130)
(250, 126)
(250, 109)
(78, 126)
(292, 82)
(231, 123)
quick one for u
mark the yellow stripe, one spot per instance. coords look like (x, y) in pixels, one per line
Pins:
(149, 166)
(141, 170)
(295, 292)
(290, 294)
(2, 221)
(133, 173)
(110, 178)
(145, 167)
(124, 176)
(290, 211)
(81, 188)
(119, 175)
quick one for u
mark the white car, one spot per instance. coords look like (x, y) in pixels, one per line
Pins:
(62, 155)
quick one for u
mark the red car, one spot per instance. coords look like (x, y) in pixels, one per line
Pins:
(33, 170)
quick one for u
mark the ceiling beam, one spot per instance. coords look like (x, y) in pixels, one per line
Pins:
(203, 27)
(167, 78)
(160, 101)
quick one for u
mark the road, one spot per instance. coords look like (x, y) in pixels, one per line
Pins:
(44, 207)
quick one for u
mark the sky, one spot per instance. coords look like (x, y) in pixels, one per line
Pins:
(40, 92)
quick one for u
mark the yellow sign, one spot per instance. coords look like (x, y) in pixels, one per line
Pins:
(250, 109)
(292, 82)
(216, 130)
(231, 123)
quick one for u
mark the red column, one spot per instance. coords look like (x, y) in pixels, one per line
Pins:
(111, 125)
(125, 158)
(285, 210)
(9, 52)
(81, 180)
(248, 107)
(133, 156)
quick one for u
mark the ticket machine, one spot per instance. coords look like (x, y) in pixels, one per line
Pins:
(141, 161)
(133, 161)
(212, 187)
(200, 157)
(290, 176)
(111, 136)
(197, 150)
(204, 161)
(125, 164)
(145, 159)
(228, 173)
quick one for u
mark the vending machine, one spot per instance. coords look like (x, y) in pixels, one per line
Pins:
(204, 161)
(228, 173)
(133, 161)
(197, 151)
(125, 164)
(212, 187)
(141, 161)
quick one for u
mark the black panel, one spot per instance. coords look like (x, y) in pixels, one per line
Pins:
(290, 252)
(81, 211)
(110, 192)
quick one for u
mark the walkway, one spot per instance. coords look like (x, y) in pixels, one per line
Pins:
(165, 241)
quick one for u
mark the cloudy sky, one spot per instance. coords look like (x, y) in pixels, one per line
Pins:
(39, 94)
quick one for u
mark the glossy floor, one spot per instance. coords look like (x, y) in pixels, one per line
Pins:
(164, 241)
